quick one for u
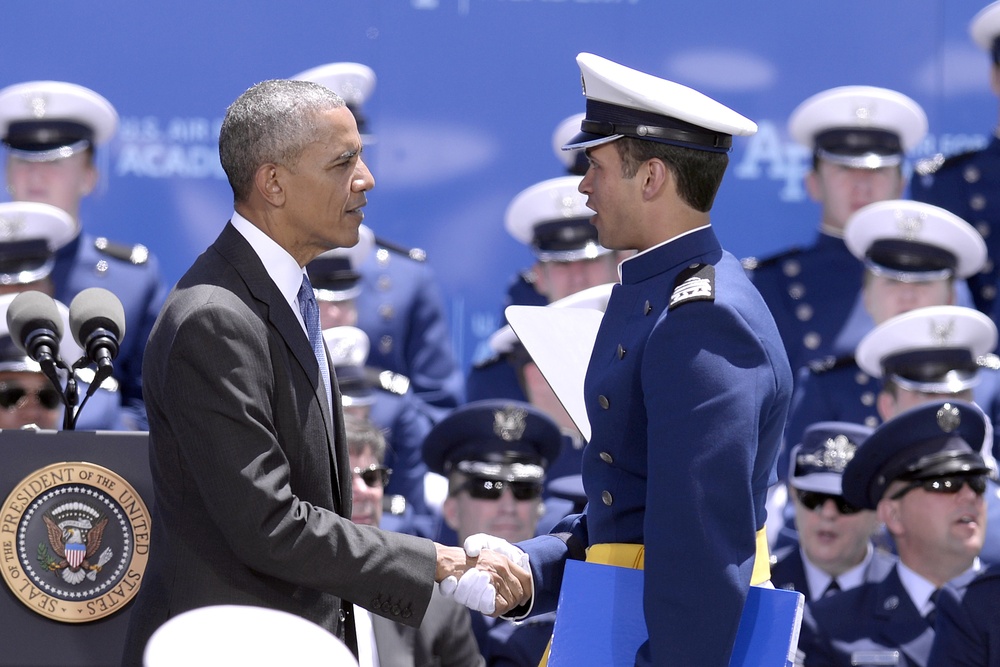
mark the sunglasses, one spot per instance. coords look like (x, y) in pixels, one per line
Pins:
(14, 396)
(482, 488)
(814, 499)
(945, 484)
(374, 475)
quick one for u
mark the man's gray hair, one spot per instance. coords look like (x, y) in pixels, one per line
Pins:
(272, 122)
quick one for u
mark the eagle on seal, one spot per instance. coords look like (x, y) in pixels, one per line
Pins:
(74, 548)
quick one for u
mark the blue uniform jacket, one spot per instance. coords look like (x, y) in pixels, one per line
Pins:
(873, 620)
(968, 186)
(401, 309)
(693, 399)
(789, 571)
(133, 275)
(813, 294)
(967, 631)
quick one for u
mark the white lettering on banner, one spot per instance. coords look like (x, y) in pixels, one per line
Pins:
(169, 161)
(172, 148)
(463, 6)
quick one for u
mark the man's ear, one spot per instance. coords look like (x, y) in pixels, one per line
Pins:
(267, 180)
(656, 176)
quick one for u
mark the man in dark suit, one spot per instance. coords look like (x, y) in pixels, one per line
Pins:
(247, 446)
(923, 474)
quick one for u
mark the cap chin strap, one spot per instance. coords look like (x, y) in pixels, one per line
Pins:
(50, 155)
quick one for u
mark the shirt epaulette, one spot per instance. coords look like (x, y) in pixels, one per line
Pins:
(752, 263)
(416, 254)
(136, 254)
(394, 383)
(695, 283)
(827, 364)
(989, 360)
(936, 163)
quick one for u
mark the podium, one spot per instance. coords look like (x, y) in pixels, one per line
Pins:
(74, 538)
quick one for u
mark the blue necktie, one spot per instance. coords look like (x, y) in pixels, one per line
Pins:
(310, 315)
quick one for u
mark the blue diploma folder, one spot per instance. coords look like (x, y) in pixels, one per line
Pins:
(600, 621)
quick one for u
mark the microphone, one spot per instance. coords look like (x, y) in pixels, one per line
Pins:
(36, 327)
(97, 320)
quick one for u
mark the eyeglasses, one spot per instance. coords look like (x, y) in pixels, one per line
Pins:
(945, 484)
(374, 475)
(814, 499)
(482, 488)
(13, 395)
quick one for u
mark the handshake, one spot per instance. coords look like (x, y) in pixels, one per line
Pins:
(489, 575)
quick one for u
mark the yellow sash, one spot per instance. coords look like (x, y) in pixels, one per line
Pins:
(633, 556)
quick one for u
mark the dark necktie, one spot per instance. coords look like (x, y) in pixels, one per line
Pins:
(932, 614)
(834, 587)
(310, 315)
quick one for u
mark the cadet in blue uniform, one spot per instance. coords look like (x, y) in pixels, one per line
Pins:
(967, 629)
(834, 550)
(400, 305)
(921, 471)
(51, 130)
(967, 184)
(912, 253)
(688, 386)
(858, 136)
(495, 454)
(551, 218)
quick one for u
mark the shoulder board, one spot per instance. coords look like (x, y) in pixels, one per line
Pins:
(394, 383)
(136, 254)
(751, 263)
(695, 283)
(416, 254)
(935, 163)
(826, 364)
(990, 361)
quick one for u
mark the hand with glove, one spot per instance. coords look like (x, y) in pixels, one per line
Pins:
(500, 580)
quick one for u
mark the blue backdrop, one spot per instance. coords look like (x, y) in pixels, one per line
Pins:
(468, 94)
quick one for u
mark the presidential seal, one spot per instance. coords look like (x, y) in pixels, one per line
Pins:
(74, 539)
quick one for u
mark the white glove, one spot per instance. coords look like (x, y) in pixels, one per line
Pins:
(475, 591)
(476, 543)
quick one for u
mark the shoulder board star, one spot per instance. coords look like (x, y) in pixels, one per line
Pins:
(751, 263)
(394, 383)
(826, 364)
(695, 283)
(990, 361)
(136, 254)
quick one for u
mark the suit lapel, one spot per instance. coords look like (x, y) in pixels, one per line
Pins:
(241, 255)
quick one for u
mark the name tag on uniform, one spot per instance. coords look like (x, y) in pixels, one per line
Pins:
(875, 658)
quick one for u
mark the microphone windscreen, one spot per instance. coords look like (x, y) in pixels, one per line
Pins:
(29, 311)
(94, 308)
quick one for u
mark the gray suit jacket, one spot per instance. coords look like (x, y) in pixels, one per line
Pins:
(444, 639)
(250, 469)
